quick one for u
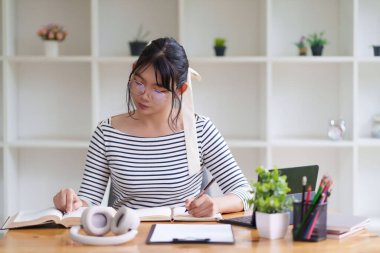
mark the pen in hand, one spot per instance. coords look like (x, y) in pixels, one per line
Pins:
(204, 190)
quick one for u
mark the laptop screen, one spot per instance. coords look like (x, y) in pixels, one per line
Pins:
(294, 177)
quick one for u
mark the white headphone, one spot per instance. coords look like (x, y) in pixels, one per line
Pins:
(98, 220)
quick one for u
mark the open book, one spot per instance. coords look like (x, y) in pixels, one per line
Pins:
(43, 217)
(171, 214)
(54, 216)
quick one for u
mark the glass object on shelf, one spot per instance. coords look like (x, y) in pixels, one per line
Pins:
(336, 130)
(376, 126)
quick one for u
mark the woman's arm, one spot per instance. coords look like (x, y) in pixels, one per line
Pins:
(218, 159)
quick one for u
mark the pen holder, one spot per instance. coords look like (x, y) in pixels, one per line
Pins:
(311, 225)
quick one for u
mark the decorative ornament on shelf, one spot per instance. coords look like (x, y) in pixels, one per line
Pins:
(271, 203)
(51, 34)
(139, 43)
(317, 43)
(220, 46)
(336, 131)
(301, 45)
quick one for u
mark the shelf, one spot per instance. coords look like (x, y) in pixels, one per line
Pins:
(312, 59)
(374, 59)
(32, 15)
(43, 172)
(311, 143)
(367, 181)
(272, 106)
(368, 97)
(119, 22)
(113, 78)
(249, 159)
(231, 97)
(238, 143)
(291, 19)
(204, 20)
(369, 142)
(367, 27)
(54, 110)
(229, 59)
(297, 92)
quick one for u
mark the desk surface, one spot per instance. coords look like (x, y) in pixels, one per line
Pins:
(247, 240)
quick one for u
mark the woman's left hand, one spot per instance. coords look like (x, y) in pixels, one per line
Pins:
(204, 206)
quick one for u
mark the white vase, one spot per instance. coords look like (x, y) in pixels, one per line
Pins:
(273, 225)
(51, 48)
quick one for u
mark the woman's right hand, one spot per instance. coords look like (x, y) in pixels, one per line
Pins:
(67, 200)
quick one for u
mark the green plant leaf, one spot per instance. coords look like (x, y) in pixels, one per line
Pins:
(270, 194)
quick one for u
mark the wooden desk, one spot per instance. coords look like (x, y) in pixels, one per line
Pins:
(247, 240)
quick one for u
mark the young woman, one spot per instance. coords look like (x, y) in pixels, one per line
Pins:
(144, 151)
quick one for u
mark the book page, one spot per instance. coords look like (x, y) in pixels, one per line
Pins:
(37, 214)
(213, 233)
(31, 218)
(154, 214)
(181, 215)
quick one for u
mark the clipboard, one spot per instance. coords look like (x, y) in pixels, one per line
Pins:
(190, 234)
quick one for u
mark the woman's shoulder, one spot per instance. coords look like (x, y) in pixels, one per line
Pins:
(202, 121)
(111, 121)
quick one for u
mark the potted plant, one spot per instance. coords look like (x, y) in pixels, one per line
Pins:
(301, 45)
(51, 34)
(139, 43)
(219, 46)
(376, 50)
(271, 203)
(317, 42)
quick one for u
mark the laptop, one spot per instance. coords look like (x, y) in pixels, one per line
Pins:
(294, 178)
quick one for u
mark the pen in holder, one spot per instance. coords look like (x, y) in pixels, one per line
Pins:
(312, 227)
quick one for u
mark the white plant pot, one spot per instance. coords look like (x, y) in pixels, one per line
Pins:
(273, 225)
(51, 48)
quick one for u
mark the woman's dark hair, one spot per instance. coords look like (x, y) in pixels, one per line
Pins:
(169, 59)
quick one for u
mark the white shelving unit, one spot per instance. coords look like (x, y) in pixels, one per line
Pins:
(272, 106)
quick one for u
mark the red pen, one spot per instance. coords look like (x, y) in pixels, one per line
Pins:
(308, 194)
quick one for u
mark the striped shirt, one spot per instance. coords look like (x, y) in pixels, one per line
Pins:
(152, 171)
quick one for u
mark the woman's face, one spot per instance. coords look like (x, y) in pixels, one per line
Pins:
(148, 94)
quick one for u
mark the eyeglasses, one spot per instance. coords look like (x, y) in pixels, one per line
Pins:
(138, 88)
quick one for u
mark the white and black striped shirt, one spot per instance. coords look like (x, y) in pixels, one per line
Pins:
(152, 171)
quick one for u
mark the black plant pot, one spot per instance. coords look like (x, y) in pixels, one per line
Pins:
(219, 51)
(317, 50)
(137, 47)
(376, 50)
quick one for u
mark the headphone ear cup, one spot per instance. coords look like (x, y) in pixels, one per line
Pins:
(125, 219)
(97, 220)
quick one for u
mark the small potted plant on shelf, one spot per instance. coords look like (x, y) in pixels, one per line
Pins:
(376, 50)
(301, 45)
(317, 42)
(220, 46)
(271, 203)
(139, 43)
(51, 34)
